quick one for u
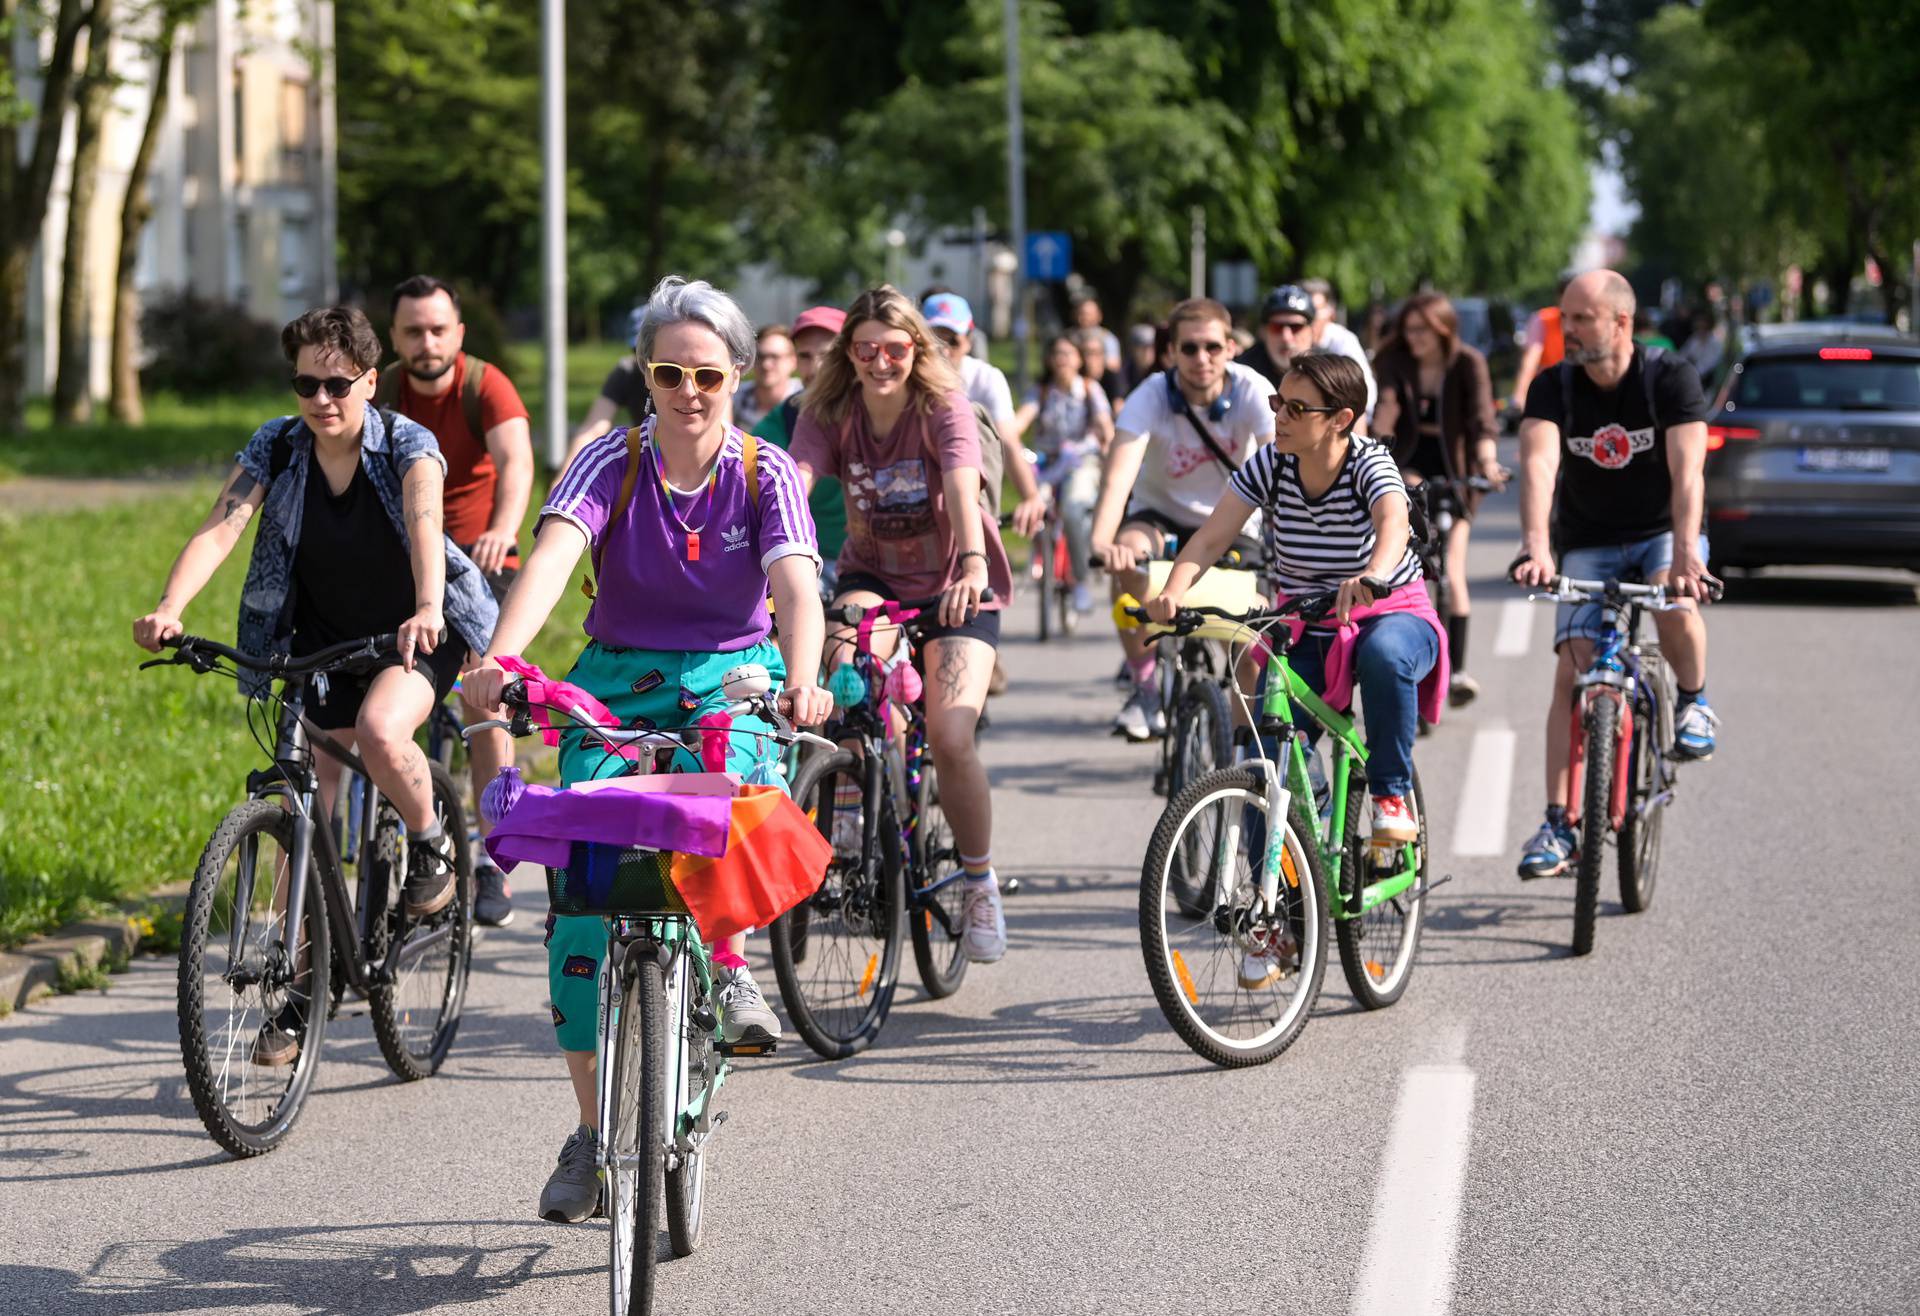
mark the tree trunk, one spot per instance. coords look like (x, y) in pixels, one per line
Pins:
(73, 386)
(23, 204)
(125, 402)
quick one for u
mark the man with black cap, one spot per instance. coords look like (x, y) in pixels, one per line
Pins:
(1287, 329)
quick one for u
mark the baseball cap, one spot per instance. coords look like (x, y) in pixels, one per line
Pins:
(948, 310)
(1142, 335)
(1287, 299)
(830, 318)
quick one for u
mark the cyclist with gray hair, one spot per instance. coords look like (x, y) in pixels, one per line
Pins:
(691, 523)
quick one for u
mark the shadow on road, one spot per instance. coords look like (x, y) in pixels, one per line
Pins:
(329, 1268)
(1500, 930)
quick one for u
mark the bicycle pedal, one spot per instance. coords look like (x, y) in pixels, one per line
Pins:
(736, 1049)
(1426, 888)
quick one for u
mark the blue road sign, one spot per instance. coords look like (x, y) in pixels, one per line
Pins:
(1049, 257)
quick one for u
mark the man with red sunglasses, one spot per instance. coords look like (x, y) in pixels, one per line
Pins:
(1177, 442)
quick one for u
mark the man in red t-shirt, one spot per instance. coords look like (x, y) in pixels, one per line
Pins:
(489, 479)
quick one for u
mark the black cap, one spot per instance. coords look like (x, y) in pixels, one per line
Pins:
(1287, 299)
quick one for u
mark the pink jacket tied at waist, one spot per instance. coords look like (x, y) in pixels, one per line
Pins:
(1411, 597)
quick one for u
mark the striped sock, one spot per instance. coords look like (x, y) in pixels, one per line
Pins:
(978, 870)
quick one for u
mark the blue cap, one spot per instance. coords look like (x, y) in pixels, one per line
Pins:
(948, 310)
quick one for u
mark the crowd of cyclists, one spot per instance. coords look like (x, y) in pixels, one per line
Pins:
(728, 477)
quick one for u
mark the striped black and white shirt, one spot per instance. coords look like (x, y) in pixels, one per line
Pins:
(1315, 543)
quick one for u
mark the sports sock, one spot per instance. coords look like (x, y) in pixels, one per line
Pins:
(1142, 669)
(978, 870)
(1557, 815)
(1690, 696)
(433, 831)
(1457, 643)
(726, 959)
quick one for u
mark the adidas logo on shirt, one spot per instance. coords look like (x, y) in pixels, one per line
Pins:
(734, 538)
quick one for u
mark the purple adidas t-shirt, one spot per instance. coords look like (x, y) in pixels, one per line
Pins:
(650, 595)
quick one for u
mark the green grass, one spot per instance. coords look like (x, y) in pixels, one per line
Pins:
(185, 435)
(114, 777)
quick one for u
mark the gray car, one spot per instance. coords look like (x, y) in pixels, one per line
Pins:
(1813, 450)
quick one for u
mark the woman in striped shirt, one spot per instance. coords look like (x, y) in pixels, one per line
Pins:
(1337, 519)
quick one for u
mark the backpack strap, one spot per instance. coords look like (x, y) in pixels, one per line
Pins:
(470, 398)
(1648, 367)
(590, 586)
(750, 458)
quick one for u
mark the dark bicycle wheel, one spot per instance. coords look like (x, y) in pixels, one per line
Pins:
(1237, 983)
(1045, 586)
(637, 1151)
(1640, 829)
(692, 1058)
(244, 988)
(1377, 948)
(1601, 726)
(836, 954)
(935, 922)
(1202, 734)
(416, 1016)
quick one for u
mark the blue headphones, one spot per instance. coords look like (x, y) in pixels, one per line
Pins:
(1216, 410)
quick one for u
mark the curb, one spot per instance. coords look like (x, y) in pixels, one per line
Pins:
(32, 970)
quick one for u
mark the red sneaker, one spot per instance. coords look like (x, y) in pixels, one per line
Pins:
(1393, 821)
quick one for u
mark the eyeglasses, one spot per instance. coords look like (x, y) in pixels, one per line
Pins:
(667, 376)
(1295, 408)
(337, 386)
(1195, 349)
(1289, 326)
(866, 353)
(772, 356)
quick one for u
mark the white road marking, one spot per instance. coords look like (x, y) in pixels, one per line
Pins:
(1407, 1269)
(1481, 826)
(1515, 635)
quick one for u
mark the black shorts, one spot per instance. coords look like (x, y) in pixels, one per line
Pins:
(346, 691)
(983, 625)
(1166, 526)
(498, 581)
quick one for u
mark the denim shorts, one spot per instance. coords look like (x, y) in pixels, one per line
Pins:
(1638, 560)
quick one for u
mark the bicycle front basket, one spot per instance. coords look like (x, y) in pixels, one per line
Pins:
(610, 879)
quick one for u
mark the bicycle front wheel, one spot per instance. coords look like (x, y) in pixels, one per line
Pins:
(836, 954)
(935, 920)
(416, 1015)
(1640, 829)
(636, 1152)
(691, 1061)
(248, 983)
(1202, 733)
(1236, 980)
(1377, 947)
(1601, 726)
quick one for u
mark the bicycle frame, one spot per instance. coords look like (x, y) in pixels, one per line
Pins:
(677, 944)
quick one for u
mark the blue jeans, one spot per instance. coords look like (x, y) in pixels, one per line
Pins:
(1393, 654)
(1637, 560)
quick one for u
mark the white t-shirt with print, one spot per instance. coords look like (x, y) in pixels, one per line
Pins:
(987, 385)
(1180, 478)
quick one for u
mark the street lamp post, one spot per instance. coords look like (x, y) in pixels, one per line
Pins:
(1017, 197)
(553, 222)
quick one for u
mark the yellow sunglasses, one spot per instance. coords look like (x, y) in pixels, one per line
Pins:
(667, 375)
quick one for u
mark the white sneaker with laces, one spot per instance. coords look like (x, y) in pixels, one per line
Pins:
(985, 938)
(745, 1017)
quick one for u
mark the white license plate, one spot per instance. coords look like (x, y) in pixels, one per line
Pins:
(1844, 459)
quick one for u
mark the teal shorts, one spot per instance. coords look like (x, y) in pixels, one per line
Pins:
(641, 686)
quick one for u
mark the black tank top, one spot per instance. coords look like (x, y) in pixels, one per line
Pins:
(351, 574)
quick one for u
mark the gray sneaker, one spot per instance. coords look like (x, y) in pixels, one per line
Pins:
(745, 1017)
(573, 1189)
(1140, 718)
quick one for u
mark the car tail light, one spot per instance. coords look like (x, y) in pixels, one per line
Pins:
(1717, 435)
(1846, 354)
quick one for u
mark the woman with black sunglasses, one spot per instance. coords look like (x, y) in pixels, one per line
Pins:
(887, 417)
(350, 545)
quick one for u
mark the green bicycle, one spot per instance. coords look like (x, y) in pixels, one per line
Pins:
(1244, 874)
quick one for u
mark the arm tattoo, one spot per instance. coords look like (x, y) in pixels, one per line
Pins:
(952, 672)
(233, 503)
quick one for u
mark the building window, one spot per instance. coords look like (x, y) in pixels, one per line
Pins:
(293, 130)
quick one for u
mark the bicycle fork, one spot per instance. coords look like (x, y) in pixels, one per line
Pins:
(1577, 754)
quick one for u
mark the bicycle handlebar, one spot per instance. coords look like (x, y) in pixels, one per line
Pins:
(852, 614)
(514, 696)
(199, 653)
(1567, 589)
(1305, 607)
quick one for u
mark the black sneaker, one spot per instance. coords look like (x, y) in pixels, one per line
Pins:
(492, 897)
(430, 876)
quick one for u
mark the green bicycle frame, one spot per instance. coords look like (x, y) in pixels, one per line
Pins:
(1285, 688)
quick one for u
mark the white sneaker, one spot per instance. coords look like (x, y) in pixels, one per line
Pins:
(1259, 968)
(985, 939)
(745, 1017)
(847, 838)
(1141, 718)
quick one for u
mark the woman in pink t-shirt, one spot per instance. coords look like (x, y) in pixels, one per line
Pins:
(886, 416)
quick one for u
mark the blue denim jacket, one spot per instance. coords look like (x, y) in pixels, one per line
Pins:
(266, 601)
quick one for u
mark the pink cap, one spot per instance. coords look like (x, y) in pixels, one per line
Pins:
(830, 318)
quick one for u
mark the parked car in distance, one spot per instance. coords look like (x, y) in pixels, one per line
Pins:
(1813, 449)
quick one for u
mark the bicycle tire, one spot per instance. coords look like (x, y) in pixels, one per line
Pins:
(938, 953)
(837, 976)
(1043, 559)
(205, 939)
(428, 984)
(1175, 985)
(1202, 734)
(1639, 860)
(1601, 723)
(1378, 983)
(637, 1157)
(686, 1192)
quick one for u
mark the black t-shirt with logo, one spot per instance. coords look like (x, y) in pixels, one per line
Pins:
(1615, 487)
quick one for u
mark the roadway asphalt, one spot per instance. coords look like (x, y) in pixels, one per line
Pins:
(1714, 1112)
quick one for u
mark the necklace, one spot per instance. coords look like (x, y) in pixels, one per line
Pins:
(692, 532)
